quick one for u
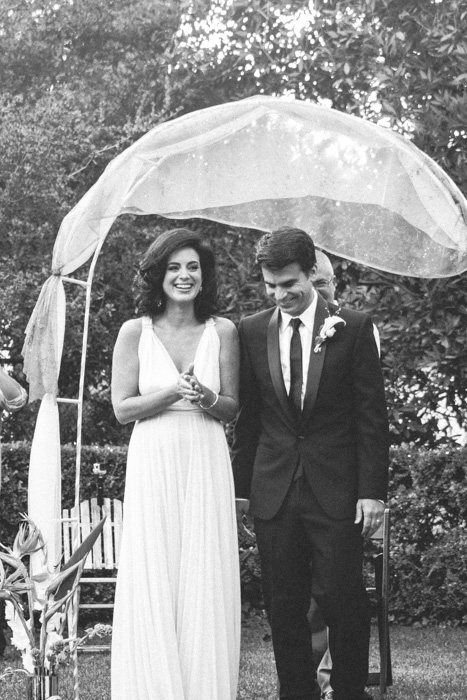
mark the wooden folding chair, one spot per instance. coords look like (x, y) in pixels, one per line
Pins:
(379, 595)
(104, 555)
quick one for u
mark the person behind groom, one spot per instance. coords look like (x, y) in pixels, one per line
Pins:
(324, 281)
(310, 455)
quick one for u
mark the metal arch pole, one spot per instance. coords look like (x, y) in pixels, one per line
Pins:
(79, 427)
(79, 419)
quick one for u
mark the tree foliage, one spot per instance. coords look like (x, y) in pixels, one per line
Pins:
(83, 79)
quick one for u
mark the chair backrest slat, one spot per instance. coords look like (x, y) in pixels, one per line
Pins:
(107, 540)
(85, 529)
(67, 535)
(96, 517)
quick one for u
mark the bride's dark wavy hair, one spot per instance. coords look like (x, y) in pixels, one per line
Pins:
(150, 297)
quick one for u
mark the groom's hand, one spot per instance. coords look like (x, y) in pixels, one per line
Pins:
(370, 513)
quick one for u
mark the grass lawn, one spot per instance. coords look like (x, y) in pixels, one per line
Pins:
(428, 664)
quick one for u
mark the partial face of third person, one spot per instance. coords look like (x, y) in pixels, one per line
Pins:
(324, 279)
(290, 288)
(183, 276)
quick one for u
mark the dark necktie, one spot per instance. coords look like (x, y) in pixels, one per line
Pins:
(296, 375)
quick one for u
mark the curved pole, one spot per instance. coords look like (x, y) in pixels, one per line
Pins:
(79, 427)
(79, 419)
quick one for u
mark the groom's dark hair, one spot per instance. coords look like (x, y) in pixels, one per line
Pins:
(285, 246)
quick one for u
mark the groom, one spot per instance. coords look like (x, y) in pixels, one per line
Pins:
(311, 455)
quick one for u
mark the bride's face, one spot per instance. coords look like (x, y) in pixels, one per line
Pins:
(183, 277)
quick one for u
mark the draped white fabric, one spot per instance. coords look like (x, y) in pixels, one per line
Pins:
(349, 182)
(42, 357)
(362, 191)
(42, 350)
(44, 487)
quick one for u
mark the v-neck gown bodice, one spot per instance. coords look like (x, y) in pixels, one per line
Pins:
(176, 631)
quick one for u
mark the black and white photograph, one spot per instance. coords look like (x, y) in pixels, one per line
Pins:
(233, 350)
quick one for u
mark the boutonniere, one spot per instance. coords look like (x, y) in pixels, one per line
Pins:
(327, 330)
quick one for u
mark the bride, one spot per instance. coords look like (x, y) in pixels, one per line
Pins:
(176, 632)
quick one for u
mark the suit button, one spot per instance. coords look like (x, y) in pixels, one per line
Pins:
(301, 437)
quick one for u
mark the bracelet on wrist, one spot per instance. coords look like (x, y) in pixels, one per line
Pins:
(206, 408)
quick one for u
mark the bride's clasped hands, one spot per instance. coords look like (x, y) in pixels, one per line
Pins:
(191, 389)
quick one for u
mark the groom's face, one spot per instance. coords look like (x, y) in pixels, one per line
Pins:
(290, 288)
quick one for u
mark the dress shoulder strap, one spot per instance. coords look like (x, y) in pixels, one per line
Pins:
(210, 321)
(147, 322)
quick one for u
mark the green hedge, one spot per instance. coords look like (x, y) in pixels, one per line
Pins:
(429, 543)
(15, 463)
(428, 498)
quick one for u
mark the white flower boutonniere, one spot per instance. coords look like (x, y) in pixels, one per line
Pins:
(327, 330)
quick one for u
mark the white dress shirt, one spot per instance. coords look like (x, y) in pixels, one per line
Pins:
(306, 336)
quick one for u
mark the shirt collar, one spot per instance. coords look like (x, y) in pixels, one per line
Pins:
(307, 317)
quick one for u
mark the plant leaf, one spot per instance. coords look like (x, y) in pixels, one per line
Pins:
(79, 555)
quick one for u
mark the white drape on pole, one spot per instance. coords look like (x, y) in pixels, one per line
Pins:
(44, 484)
(44, 487)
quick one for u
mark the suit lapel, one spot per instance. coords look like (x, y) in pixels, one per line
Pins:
(315, 366)
(275, 368)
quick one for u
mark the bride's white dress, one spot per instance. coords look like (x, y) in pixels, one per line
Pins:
(176, 630)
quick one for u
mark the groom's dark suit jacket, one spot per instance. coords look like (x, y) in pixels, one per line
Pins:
(342, 437)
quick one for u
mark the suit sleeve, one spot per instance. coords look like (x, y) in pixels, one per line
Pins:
(248, 425)
(370, 415)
